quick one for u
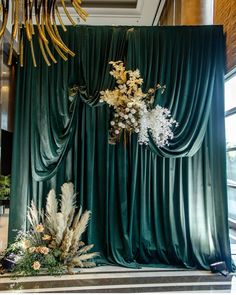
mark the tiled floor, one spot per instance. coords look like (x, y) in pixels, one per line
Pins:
(112, 279)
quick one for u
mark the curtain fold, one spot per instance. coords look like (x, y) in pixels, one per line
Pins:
(149, 206)
(99, 46)
(191, 56)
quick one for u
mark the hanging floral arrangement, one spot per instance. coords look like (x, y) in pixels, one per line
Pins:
(53, 243)
(133, 110)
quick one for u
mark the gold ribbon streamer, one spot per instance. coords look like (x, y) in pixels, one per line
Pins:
(44, 14)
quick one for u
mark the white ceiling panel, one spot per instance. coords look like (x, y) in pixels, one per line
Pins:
(130, 12)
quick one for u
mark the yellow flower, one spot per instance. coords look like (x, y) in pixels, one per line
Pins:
(32, 249)
(26, 244)
(46, 237)
(39, 228)
(36, 265)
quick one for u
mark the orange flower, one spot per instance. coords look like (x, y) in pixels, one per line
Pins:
(36, 265)
(39, 228)
(43, 250)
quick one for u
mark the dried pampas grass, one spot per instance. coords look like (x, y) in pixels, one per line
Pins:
(51, 211)
(33, 215)
(65, 227)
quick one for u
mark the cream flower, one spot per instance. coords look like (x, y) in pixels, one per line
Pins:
(36, 265)
(32, 249)
(26, 244)
(39, 228)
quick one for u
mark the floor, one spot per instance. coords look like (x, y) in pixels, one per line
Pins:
(112, 279)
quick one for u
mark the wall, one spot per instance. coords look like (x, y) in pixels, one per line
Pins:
(225, 13)
(187, 12)
(205, 12)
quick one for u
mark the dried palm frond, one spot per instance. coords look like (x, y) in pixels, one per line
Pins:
(53, 244)
(71, 217)
(52, 203)
(67, 200)
(76, 262)
(33, 215)
(81, 226)
(79, 261)
(60, 228)
(88, 256)
(66, 243)
(85, 249)
(77, 218)
(51, 211)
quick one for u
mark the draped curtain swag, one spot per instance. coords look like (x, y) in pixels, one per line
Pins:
(150, 206)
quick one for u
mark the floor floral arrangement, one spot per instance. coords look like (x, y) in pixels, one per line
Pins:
(134, 110)
(53, 242)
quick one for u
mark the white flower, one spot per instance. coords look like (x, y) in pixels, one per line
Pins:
(133, 111)
(120, 124)
(117, 132)
(129, 104)
(127, 110)
(136, 73)
(159, 124)
(121, 114)
(123, 88)
(132, 120)
(112, 123)
(126, 117)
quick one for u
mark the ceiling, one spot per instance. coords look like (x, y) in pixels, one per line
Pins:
(109, 3)
(123, 12)
(113, 12)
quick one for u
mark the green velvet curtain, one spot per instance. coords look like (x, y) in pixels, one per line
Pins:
(149, 206)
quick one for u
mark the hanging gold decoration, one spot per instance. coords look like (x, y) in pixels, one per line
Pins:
(44, 14)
